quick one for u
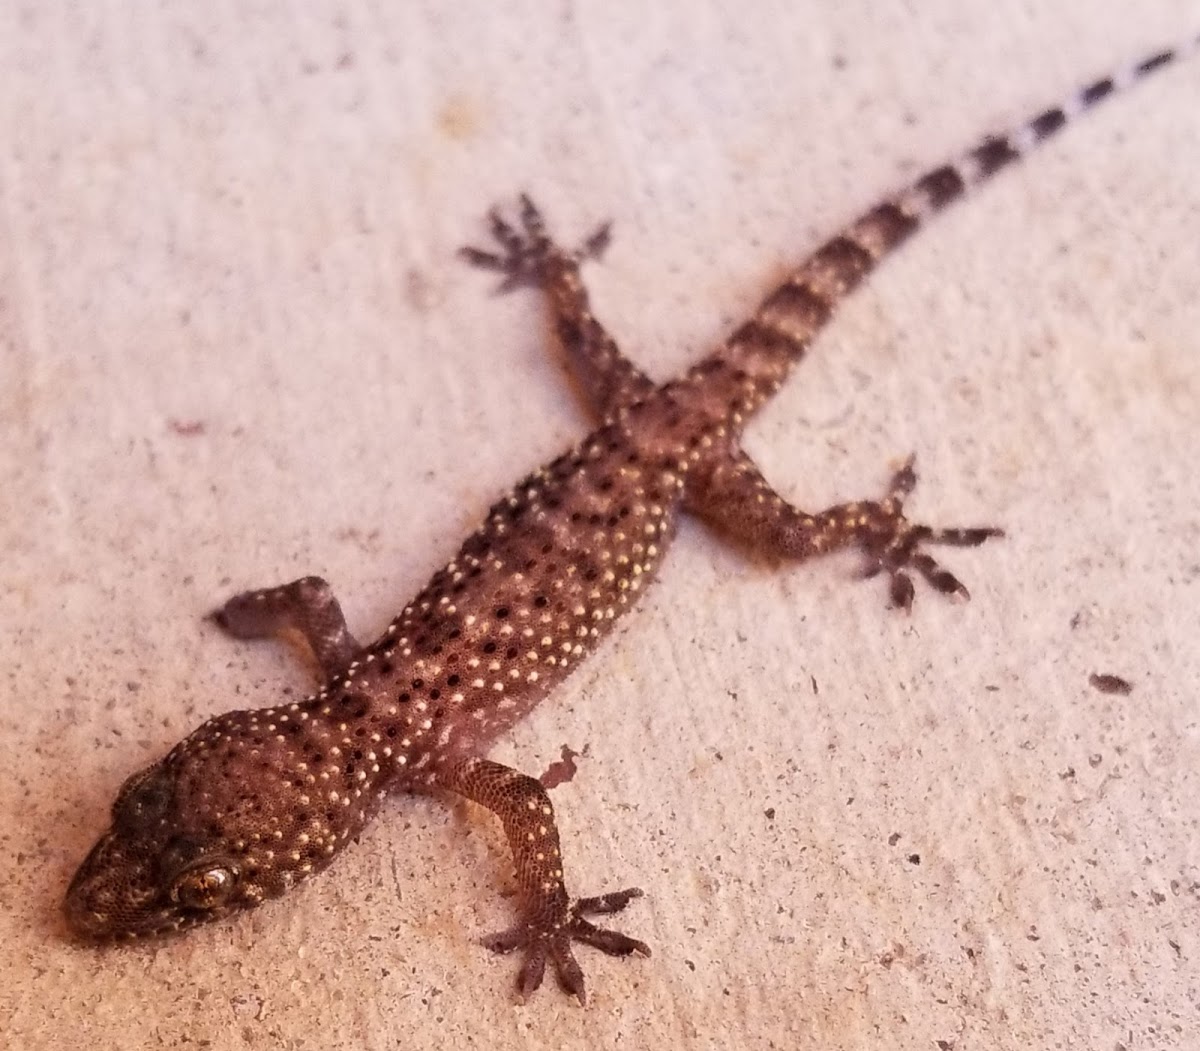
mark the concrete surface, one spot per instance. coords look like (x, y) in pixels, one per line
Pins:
(235, 346)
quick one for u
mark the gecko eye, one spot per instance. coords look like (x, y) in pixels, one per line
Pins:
(207, 886)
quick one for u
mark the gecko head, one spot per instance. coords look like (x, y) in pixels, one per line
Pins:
(148, 876)
(196, 836)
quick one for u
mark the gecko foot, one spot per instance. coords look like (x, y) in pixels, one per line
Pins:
(552, 939)
(526, 250)
(893, 544)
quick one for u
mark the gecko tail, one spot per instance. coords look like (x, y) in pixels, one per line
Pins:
(937, 188)
(754, 361)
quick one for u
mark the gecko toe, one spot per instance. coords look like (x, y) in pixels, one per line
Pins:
(901, 591)
(614, 943)
(607, 903)
(970, 537)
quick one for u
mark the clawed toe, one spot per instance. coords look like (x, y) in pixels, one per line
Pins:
(971, 537)
(607, 903)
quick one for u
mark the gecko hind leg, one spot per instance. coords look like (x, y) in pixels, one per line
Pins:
(307, 606)
(528, 256)
(734, 497)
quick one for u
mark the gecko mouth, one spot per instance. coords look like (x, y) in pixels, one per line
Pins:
(115, 895)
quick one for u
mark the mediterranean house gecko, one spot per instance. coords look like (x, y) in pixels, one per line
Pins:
(254, 802)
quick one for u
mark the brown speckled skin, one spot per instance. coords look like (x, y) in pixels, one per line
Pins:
(254, 802)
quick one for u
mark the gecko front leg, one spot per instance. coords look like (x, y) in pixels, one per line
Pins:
(551, 920)
(527, 255)
(307, 605)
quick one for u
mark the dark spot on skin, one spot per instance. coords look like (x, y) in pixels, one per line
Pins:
(435, 693)
(941, 185)
(502, 612)
(1095, 92)
(1154, 61)
(766, 339)
(994, 154)
(1046, 124)
(405, 697)
(489, 647)
(847, 257)
(452, 680)
(891, 223)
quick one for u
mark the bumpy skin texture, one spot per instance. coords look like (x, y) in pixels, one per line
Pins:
(253, 802)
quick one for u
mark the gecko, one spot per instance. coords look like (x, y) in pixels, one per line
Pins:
(254, 802)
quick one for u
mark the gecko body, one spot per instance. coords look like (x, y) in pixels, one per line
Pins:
(254, 802)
